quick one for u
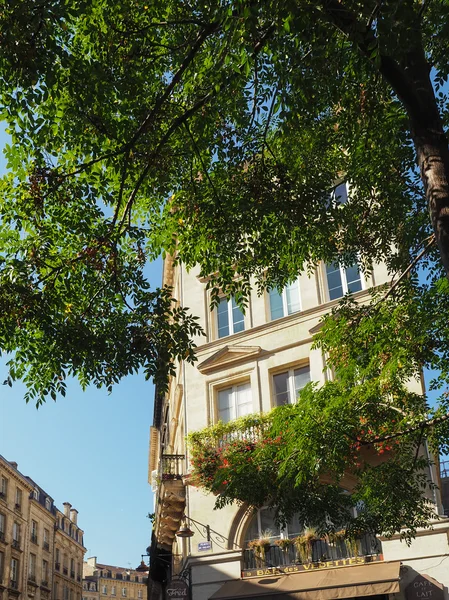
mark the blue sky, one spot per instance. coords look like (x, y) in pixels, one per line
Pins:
(89, 449)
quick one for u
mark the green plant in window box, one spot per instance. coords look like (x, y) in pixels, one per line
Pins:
(284, 543)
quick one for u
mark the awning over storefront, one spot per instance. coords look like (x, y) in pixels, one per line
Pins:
(319, 584)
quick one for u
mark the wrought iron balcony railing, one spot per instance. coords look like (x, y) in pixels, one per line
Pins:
(321, 551)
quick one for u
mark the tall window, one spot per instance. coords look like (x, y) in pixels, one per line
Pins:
(123, 592)
(285, 303)
(342, 280)
(46, 539)
(18, 497)
(56, 590)
(36, 494)
(230, 318)
(45, 570)
(32, 567)
(234, 402)
(287, 384)
(340, 193)
(3, 487)
(14, 572)
(34, 531)
(113, 590)
(48, 503)
(2, 526)
(139, 593)
(66, 593)
(16, 532)
(104, 590)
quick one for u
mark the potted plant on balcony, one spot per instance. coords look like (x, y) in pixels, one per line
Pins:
(304, 544)
(284, 543)
(333, 537)
(352, 545)
(260, 546)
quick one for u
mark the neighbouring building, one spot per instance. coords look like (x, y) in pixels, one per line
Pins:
(249, 363)
(34, 538)
(107, 582)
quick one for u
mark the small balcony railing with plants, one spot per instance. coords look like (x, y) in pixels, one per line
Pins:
(308, 549)
(171, 467)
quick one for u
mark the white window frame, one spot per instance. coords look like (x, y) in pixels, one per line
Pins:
(36, 494)
(2, 523)
(124, 592)
(234, 390)
(32, 565)
(48, 503)
(292, 392)
(231, 323)
(104, 589)
(280, 533)
(283, 295)
(18, 497)
(344, 281)
(113, 591)
(16, 531)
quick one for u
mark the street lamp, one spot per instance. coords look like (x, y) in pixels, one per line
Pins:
(143, 567)
(185, 532)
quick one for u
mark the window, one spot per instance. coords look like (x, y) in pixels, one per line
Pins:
(139, 593)
(56, 590)
(45, 570)
(58, 557)
(340, 194)
(71, 594)
(66, 593)
(2, 566)
(4, 488)
(230, 318)
(46, 539)
(286, 385)
(14, 571)
(123, 592)
(2, 526)
(18, 498)
(285, 303)
(48, 503)
(234, 402)
(34, 531)
(263, 524)
(32, 568)
(16, 532)
(113, 590)
(36, 494)
(343, 280)
(104, 589)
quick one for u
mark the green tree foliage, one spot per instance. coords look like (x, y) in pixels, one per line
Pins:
(218, 130)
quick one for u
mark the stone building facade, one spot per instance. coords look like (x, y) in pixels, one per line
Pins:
(107, 582)
(34, 538)
(250, 363)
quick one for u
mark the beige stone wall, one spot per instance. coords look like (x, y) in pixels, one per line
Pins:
(114, 583)
(13, 538)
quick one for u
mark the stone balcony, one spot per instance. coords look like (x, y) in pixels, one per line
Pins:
(170, 497)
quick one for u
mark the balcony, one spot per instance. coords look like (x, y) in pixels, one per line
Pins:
(34, 538)
(16, 544)
(44, 584)
(78, 577)
(72, 574)
(46, 546)
(14, 584)
(18, 507)
(2, 536)
(65, 570)
(32, 579)
(171, 497)
(322, 553)
(57, 566)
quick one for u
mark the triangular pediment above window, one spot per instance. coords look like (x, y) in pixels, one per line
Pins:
(228, 355)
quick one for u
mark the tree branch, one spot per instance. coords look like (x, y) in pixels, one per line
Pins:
(428, 423)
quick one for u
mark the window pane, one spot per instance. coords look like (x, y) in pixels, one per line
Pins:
(280, 384)
(238, 319)
(244, 400)
(302, 378)
(267, 523)
(353, 278)
(294, 527)
(334, 281)
(292, 294)
(276, 307)
(225, 405)
(341, 194)
(223, 318)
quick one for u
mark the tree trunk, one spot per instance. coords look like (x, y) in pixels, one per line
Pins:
(432, 150)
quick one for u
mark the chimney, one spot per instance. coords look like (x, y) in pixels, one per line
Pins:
(67, 507)
(73, 515)
(13, 464)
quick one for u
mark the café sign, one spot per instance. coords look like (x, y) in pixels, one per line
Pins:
(328, 564)
(424, 587)
(177, 588)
